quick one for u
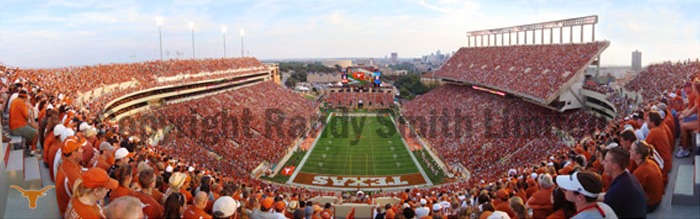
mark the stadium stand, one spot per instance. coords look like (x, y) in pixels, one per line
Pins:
(510, 148)
(658, 80)
(536, 71)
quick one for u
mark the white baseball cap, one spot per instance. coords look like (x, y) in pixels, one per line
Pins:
(121, 153)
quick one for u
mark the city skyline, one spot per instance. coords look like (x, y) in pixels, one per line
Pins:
(58, 33)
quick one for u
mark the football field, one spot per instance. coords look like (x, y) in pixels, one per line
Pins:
(360, 146)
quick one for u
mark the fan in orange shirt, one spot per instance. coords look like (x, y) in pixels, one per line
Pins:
(92, 188)
(53, 148)
(541, 202)
(659, 140)
(688, 120)
(124, 177)
(648, 174)
(21, 121)
(196, 210)
(69, 171)
(147, 180)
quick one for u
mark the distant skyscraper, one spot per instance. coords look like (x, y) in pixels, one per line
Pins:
(637, 60)
(394, 58)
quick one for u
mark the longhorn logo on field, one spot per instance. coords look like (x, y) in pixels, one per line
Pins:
(32, 195)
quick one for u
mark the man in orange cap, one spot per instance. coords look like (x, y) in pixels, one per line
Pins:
(504, 205)
(279, 209)
(68, 171)
(264, 212)
(94, 187)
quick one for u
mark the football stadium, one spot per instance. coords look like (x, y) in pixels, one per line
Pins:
(516, 128)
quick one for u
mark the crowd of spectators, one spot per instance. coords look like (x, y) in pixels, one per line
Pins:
(489, 134)
(535, 70)
(217, 124)
(513, 149)
(74, 81)
(661, 79)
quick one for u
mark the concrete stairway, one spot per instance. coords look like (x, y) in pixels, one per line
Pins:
(28, 174)
(686, 190)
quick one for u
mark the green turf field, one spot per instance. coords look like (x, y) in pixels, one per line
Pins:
(363, 153)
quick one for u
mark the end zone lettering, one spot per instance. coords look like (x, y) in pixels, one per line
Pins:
(332, 181)
(342, 181)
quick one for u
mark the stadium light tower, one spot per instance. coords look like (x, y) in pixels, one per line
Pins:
(159, 22)
(242, 34)
(191, 24)
(223, 31)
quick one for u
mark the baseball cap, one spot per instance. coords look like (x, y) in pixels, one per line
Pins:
(423, 202)
(121, 153)
(90, 132)
(98, 178)
(279, 206)
(502, 193)
(498, 215)
(106, 146)
(83, 126)
(67, 132)
(267, 202)
(437, 207)
(225, 206)
(572, 183)
(58, 130)
(72, 143)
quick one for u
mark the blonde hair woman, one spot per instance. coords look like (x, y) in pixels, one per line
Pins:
(87, 192)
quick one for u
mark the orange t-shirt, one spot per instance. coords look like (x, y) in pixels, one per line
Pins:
(658, 138)
(102, 163)
(484, 214)
(48, 140)
(41, 114)
(193, 212)
(78, 210)
(531, 191)
(157, 195)
(649, 175)
(541, 203)
(559, 214)
(68, 172)
(669, 134)
(19, 114)
(692, 99)
(566, 170)
(505, 207)
(390, 214)
(697, 103)
(53, 148)
(153, 208)
(670, 122)
(119, 192)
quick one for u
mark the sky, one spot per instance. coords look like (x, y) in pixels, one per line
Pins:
(59, 33)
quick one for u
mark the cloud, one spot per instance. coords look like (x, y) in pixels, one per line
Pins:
(59, 32)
